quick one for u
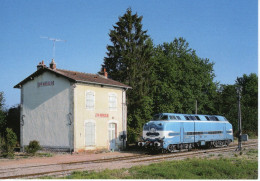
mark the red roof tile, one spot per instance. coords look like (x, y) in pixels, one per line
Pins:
(77, 77)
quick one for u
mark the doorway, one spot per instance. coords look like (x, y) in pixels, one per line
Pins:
(112, 136)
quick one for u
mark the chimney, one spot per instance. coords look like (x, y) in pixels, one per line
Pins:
(53, 65)
(105, 73)
(40, 65)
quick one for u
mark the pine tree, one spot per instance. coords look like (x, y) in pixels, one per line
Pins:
(128, 61)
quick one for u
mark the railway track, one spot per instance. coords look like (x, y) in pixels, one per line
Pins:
(35, 171)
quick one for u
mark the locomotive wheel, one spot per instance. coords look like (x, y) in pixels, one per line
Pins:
(171, 148)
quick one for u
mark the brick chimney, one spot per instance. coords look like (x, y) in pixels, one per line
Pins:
(41, 65)
(105, 73)
(53, 65)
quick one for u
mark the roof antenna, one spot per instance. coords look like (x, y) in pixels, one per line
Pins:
(54, 40)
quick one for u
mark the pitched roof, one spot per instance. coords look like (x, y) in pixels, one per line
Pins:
(76, 77)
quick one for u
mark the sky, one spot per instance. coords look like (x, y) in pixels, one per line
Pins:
(224, 31)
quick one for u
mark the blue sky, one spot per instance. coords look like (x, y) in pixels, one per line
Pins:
(224, 31)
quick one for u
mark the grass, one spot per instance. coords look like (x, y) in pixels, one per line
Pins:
(197, 168)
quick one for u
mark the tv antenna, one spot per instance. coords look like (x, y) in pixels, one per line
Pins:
(54, 40)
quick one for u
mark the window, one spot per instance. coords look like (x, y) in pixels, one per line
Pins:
(187, 117)
(178, 117)
(212, 118)
(164, 117)
(192, 118)
(159, 117)
(198, 118)
(112, 101)
(172, 118)
(90, 133)
(90, 100)
(207, 118)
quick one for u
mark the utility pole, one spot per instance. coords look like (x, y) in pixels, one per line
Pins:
(196, 107)
(239, 91)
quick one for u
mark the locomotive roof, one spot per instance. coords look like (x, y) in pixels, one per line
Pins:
(202, 117)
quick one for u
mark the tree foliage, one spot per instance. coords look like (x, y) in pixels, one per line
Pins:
(181, 78)
(227, 103)
(127, 61)
(2, 114)
(13, 120)
(10, 141)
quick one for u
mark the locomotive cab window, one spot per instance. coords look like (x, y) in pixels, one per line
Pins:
(156, 117)
(172, 118)
(164, 117)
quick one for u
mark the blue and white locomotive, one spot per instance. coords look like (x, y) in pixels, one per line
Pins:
(171, 131)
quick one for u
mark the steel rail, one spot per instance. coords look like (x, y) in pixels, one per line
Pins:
(154, 157)
(184, 154)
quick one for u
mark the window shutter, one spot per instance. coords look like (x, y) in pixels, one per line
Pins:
(90, 100)
(112, 101)
(90, 129)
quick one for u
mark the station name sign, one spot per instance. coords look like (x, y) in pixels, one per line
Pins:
(45, 83)
(101, 115)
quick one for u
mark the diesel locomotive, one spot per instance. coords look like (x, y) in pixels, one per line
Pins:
(169, 132)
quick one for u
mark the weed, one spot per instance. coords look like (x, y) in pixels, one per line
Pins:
(33, 147)
(44, 154)
(235, 168)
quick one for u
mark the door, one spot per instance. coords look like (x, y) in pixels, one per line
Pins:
(112, 136)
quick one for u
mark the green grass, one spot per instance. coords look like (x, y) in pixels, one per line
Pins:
(235, 168)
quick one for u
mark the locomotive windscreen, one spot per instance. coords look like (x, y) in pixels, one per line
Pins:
(160, 117)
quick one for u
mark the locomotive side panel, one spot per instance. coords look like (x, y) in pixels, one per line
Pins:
(188, 132)
(172, 133)
(206, 131)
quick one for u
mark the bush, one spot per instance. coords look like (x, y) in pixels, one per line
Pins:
(33, 147)
(9, 143)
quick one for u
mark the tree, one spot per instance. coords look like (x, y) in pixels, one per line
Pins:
(13, 120)
(226, 103)
(127, 61)
(249, 102)
(2, 114)
(9, 144)
(182, 78)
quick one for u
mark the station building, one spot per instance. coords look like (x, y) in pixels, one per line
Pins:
(72, 111)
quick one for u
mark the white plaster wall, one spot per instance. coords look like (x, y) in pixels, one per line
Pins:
(46, 111)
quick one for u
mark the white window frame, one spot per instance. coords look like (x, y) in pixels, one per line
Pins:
(113, 122)
(92, 93)
(95, 133)
(111, 108)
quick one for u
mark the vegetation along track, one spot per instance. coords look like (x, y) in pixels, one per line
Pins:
(67, 167)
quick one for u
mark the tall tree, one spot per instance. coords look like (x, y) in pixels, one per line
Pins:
(182, 78)
(249, 102)
(227, 103)
(127, 61)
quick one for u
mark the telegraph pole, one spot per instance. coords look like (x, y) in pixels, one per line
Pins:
(196, 107)
(239, 91)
